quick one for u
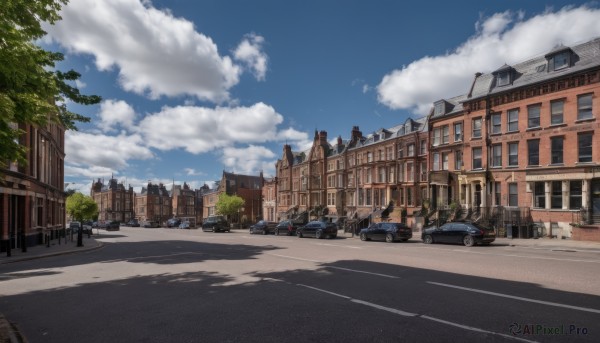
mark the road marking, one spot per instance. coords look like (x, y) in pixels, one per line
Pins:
(295, 258)
(528, 256)
(416, 315)
(585, 309)
(363, 272)
(339, 245)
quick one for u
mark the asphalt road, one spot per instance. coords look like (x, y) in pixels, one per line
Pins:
(161, 285)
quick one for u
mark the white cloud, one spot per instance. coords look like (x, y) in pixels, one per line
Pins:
(155, 53)
(116, 113)
(502, 38)
(249, 51)
(193, 172)
(250, 160)
(101, 151)
(206, 129)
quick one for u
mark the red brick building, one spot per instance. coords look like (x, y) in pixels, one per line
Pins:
(153, 204)
(32, 198)
(115, 201)
(247, 187)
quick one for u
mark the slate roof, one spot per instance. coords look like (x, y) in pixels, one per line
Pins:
(585, 56)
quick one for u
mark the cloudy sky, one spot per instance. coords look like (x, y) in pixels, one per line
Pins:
(193, 88)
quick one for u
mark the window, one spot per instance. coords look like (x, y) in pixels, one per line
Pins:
(513, 195)
(423, 148)
(477, 158)
(381, 174)
(458, 134)
(513, 120)
(439, 108)
(436, 161)
(556, 112)
(556, 195)
(369, 157)
(513, 154)
(561, 60)
(411, 150)
(445, 161)
(458, 162)
(539, 195)
(330, 199)
(445, 134)
(533, 116)
(496, 155)
(556, 150)
(584, 143)
(575, 190)
(497, 193)
(391, 175)
(437, 136)
(584, 107)
(423, 171)
(389, 151)
(410, 175)
(368, 175)
(369, 197)
(476, 128)
(496, 123)
(409, 196)
(503, 78)
(533, 150)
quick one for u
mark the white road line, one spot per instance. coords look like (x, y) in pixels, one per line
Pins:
(295, 258)
(363, 272)
(529, 256)
(338, 245)
(471, 328)
(410, 314)
(585, 309)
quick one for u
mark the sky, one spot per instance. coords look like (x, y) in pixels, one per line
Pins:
(194, 88)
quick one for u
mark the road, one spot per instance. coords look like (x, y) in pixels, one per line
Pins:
(169, 285)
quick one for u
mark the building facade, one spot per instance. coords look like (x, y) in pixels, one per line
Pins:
(115, 201)
(248, 187)
(184, 201)
(153, 204)
(32, 197)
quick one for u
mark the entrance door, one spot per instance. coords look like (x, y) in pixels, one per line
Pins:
(477, 200)
(595, 190)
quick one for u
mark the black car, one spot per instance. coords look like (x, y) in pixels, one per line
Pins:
(173, 222)
(150, 224)
(113, 226)
(216, 224)
(264, 227)
(318, 229)
(287, 226)
(389, 232)
(133, 223)
(465, 233)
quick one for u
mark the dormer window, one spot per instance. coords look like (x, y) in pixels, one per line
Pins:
(503, 78)
(439, 108)
(561, 60)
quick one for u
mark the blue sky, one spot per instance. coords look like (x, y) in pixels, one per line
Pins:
(192, 88)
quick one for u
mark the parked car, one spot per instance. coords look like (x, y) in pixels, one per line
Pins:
(264, 227)
(465, 233)
(286, 226)
(318, 229)
(133, 223)
(173, 222)
(216, 224)
(74, 226)
(150, 224)
(113, 226)
(389, 232)
(185, 225)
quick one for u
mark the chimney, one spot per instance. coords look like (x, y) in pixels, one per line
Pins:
(473, 84)
(323, 137)
(339, 141)
(356, 133)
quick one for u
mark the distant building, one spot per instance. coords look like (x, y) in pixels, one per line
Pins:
(247, 187)
(32, 197)
(115, 201)
(153, 204)
(183, 199)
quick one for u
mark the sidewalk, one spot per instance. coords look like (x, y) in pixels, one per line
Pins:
(550, 244)
(40, 251)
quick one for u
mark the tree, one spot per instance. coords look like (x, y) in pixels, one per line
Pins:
(81, 207)
(31, 90)
(228, 205)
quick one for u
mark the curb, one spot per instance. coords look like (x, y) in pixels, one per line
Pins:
(57, 253)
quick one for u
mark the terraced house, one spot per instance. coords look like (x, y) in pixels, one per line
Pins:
(519, 150)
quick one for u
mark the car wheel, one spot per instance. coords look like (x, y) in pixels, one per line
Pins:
(468, 241)
(319, 234)
(427, 239)
(363, 237)
(299, 234)
(389, 238)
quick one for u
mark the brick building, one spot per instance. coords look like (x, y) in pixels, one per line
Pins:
(247, 187)
(32, 197)
(153, 204)
(358, 178)
(184, 200)
(115, 201)
(520, 145)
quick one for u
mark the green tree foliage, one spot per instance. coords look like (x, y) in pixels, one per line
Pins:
(31, 90)
(81, 207)
(228, 205)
